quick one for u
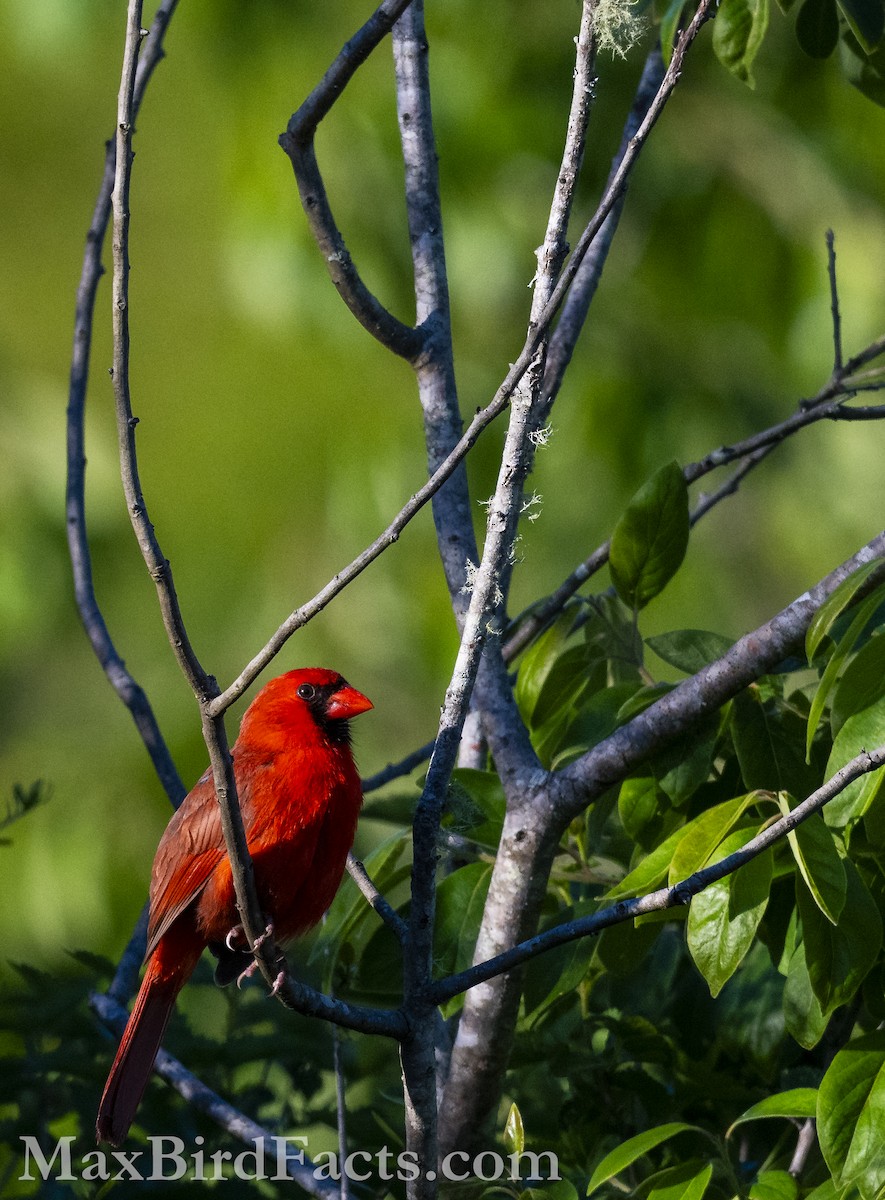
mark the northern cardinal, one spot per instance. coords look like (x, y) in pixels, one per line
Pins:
(300, 796)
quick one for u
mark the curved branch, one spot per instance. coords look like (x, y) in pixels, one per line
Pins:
(121, 679)
(669, 897)
(298, 143)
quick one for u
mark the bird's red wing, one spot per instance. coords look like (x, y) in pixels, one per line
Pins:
(189, 851)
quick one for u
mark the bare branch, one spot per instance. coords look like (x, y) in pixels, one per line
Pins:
(298, 143)
(834, 304)
(157, 564)
(397, 770)
(434, 367)
(669, 897)
(583, 289)
(388, 915)
(204, 1100)
(88, 607)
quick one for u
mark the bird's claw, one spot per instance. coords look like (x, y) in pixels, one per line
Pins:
(233, 935)
(278, 983)
(247, 974)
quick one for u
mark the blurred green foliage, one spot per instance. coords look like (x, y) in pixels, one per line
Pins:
(277, 439)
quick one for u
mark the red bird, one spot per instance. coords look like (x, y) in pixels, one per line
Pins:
(300, 796)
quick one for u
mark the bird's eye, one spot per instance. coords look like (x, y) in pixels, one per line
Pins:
(307, 691)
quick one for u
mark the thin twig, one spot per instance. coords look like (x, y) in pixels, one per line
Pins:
(577, 304)
(382, 907)
(121, 679)
(239, 1126)
(804, 1145)
(834, 303)
(669, 897)
(298, 143)
(396, 770)
(341, 1107)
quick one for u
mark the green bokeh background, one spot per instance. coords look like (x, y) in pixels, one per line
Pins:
(277, 439)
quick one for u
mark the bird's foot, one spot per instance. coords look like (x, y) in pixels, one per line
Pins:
(247, 974)
(262, 937)
(278, 983)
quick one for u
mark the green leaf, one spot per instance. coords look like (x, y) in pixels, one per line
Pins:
(803, 1016)
(634, 1148)
(866, 19)
(797, 1102)
(862, 683)
(539, 660)
(670, 27)
(560, 970)
(724, 917)
(865, 729)
(688, 1181)
(650, 540)
(851, 1114)
(774, 1185)
(843, 648)
(864, 71)
(838, 957)
(702, 835)
(349, 908)
(514, 1131)
(738, 31)
(650, 873)
(835, 605)
(460, 898)
(639, 802)
(689, 650)
(476, 803)
(817, 28)
(819, 862)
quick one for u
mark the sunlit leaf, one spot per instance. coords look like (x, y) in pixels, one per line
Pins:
(724, 917)
(797, 1102)
(738, 32)
(835, 605)
(634, 1148)
(774, 1185)
(862, 683)
(851, 1114)
(818, 860)
(702, 835)
(865, 730)
(514, 1131)
(842, 649)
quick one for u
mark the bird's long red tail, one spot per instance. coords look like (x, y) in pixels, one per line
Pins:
(138, 1047)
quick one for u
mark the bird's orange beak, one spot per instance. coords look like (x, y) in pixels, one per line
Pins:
(347, 702)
